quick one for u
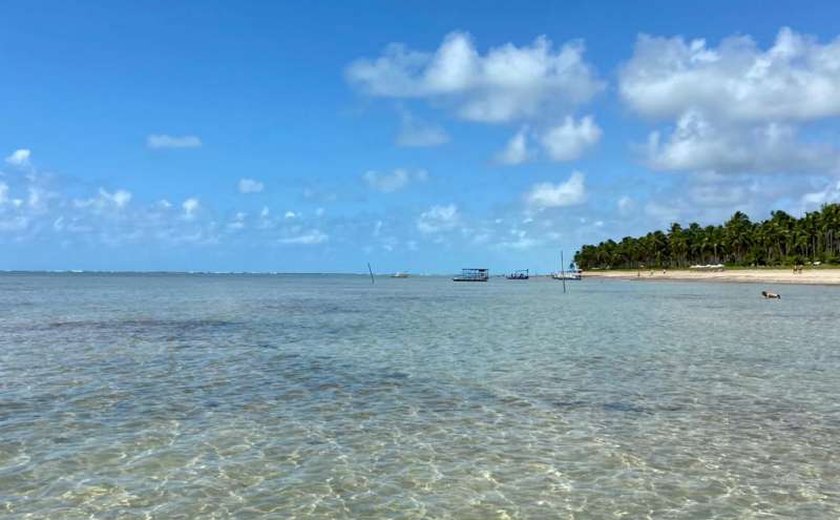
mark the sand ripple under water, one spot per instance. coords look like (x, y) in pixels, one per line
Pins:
(175, 396)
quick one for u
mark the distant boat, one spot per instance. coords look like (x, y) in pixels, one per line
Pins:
(568, 275)
(708, 267)
(519, 274)
(399, 274)
(572, 274)
(473, 275)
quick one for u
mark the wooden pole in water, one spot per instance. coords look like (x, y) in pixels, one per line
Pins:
(563, 271)
(372, 280)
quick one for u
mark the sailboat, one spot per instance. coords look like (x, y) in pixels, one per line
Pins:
(572, 274)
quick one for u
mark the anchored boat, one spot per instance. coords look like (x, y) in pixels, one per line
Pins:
(574, 273)
(473, 275)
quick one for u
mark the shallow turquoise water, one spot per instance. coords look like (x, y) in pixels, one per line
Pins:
(214, 396)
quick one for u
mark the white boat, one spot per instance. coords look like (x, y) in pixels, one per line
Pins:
(474, 274)
(708, 267)
(399, 274)
(574, 273)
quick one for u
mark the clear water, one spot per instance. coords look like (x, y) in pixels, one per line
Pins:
(199, 396)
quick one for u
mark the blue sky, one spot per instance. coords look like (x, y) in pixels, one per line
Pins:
(419, 136)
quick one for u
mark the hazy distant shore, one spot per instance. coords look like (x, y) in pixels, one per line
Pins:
(807, 276)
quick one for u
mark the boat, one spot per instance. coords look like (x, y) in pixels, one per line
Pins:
(473, 274)
(399, 274)
(519, 274)
(574, 273)
(715, 268)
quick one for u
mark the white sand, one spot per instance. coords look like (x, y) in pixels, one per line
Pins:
(808, 276)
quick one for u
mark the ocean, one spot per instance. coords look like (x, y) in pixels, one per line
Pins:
(180, 396)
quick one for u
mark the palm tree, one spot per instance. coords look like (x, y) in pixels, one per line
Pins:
(779, 240)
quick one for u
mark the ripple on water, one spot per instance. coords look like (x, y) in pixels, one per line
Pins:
(323, 397)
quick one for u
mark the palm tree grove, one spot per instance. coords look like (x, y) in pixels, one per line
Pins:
(780, 240)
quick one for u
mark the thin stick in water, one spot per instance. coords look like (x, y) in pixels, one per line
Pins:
(563, 271)
(372, 280)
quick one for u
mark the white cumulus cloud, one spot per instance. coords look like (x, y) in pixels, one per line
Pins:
(238, 221)
(120, 198)
(736, 108)
(827, 195)
(19, 157)
(796, 79)
(158, 141)
(190, 207)
(105, 200)
(438, 218)
(250, 186)
(569, 140)
(516, 151)
(698, 144)
(549, 195)
(506, 83)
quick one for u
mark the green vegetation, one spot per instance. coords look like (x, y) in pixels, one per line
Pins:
(779, 240)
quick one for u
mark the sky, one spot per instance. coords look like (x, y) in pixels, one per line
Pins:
(417, 136)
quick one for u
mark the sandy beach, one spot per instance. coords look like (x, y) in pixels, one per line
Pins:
(808, 276)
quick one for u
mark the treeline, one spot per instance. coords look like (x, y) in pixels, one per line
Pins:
(779, 240)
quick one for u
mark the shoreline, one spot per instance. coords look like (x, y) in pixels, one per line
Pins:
(783, 276)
